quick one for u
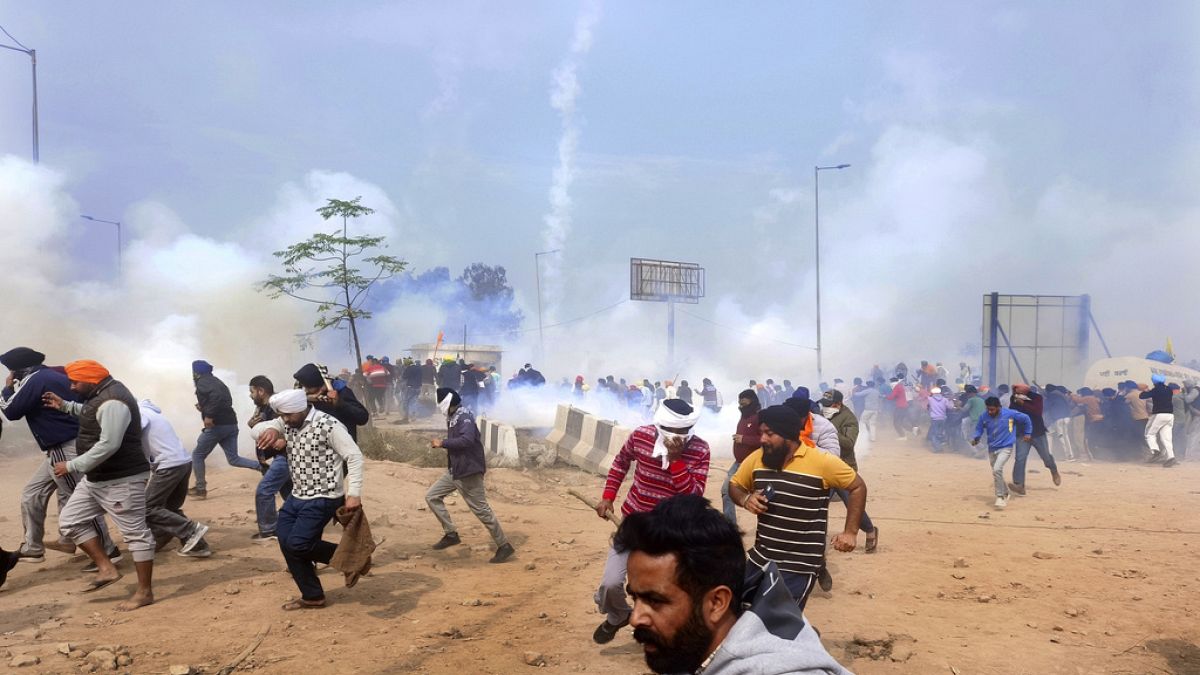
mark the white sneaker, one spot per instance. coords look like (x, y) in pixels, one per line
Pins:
(194, 538)
(1001, 502)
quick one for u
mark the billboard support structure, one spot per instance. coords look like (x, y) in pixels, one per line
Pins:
(666, 281)
(1041, 339)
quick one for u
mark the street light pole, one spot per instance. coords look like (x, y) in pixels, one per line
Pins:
(537, 264)
(817, 229)
(119, 246)
(32, 54)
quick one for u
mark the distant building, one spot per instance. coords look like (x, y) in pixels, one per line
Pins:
(483, 355)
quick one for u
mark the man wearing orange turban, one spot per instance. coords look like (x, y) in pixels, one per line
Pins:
(115, 473)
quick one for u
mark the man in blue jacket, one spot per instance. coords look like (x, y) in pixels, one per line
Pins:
(55, 432)
(1001, 427)
(464, 453)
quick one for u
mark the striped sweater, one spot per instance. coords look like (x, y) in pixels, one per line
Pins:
(652, 483)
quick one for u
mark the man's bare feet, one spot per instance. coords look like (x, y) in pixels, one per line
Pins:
(139, 599)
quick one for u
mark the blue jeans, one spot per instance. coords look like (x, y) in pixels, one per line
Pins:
(937, 434)
(224, 435)
(276, 480)
(299, 528)
(726, 502)
(1043, 450)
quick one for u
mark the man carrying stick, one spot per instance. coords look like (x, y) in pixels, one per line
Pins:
(671, 461)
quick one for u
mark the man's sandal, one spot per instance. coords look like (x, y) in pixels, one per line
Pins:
(301, 603)
(872, 540)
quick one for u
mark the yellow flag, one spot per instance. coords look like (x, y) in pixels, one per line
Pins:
(1170, 348)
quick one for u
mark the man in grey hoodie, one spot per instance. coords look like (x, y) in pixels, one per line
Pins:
(689, 589)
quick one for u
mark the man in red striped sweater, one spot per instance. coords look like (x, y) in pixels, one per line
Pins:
(671, 461)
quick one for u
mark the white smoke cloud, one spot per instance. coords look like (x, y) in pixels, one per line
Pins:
(564, 96)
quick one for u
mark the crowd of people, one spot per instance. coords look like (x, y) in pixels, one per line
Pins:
(109, 456)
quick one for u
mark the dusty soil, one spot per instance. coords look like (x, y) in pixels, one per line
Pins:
(1100, 575)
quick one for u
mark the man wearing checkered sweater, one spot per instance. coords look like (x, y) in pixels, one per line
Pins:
(317, 445)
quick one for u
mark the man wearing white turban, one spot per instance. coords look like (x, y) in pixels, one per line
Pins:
(318, 447)
(671, 460)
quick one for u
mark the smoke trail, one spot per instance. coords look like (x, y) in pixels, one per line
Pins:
(563, 97)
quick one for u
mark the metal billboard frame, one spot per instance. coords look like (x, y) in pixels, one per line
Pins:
(666, 281)
(1039, 339)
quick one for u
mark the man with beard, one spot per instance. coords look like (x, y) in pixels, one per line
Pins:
(115, 472)
(332, 397)
(745, 441)
(786, 484)
(55, 432)
(465, 468)
(215, 404)
(276, 480)
(671, 461)
(321, 456)
(686, 569)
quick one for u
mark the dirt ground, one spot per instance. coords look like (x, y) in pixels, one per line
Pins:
(1101, 575)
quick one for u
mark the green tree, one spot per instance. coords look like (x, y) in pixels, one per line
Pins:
(325, 271)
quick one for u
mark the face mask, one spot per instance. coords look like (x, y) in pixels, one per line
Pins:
(444, 405)
(829, 412)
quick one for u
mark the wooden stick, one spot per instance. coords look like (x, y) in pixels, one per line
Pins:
(232, 665)
(612, 517)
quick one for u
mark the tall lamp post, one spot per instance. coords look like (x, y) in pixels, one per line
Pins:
(110, 222)
(817, 221)
(537, 263)
(32, 54)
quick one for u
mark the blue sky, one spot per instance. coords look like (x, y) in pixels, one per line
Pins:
(979, 133)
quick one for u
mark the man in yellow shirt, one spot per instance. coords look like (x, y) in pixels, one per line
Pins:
(786, 484)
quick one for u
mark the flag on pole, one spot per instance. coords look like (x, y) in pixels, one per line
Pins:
(1170, 348)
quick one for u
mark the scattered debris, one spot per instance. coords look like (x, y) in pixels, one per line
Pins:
(535, 659)
(1042, 555)
(961, 562)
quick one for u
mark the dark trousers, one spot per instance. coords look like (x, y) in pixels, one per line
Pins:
(1022, 455)
(900, 421)
(864, 523)
(299, 528)
(165, 493)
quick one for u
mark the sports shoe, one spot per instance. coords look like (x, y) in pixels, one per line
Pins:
(60, 546)
(198, 552)
(605, 632)
(503, 553)
(114, 556)
(263, 536)
(194, 538)
(825, 580)
(1154, 457)
(198, 494)
(447, 541)
(1056, 476)
(1169, 463)
(35, 558)
(1001, 502)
